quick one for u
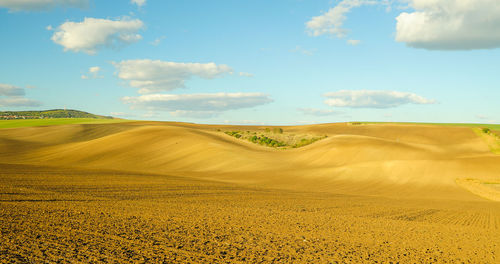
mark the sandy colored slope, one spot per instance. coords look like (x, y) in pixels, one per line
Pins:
(386, 160)
(177, 193)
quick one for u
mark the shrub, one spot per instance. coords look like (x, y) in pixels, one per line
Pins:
(486, 130)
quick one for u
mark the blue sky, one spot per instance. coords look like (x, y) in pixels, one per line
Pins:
(270, 62)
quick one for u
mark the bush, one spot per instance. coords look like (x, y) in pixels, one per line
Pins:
(486, 130)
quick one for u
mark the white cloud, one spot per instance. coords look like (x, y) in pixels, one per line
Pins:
(450, 24)
(139, 3)
(151, 76)
(94, 69)
(331, 22)
(197, 104)
(10, 90)
(13, 96)
(94, 33)
(34, 5)
(319, 112)
(93, 73)
(246, 74)
(18, 101)
(353, 42)
(373, 99)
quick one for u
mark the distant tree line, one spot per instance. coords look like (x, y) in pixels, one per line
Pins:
(56, 113)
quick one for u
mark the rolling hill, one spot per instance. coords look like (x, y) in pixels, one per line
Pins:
(55, 113)
(176, 192)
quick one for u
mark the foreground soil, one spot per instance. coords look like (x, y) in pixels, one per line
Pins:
(182, 193)
(78, 216)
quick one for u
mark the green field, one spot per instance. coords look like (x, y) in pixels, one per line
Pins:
(490, 126)
(55, 121)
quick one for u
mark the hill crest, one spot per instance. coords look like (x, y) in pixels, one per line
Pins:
(53, 113)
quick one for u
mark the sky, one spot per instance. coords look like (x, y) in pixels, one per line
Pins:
(254, 62)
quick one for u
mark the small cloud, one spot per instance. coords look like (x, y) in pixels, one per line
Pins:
(49, 27)
(94, 33)
(332, 22)
(10, 90)
(93, 73)
(299, 49)
(94, 69)
(373, 99)
(157, 41)
(139, 3)
(14, 96)
(246, 74)
(319, 112)
(353, 42)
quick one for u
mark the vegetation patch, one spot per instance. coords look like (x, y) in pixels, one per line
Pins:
(490, 138)
(486, 189)
(275, 138)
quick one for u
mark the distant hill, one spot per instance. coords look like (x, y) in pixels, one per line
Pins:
(55, 113)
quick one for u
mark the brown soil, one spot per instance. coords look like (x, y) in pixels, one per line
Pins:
(179, 193)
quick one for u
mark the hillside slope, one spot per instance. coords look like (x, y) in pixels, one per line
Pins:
(376, 159)
(54, 113)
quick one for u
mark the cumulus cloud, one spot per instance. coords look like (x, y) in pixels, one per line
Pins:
(94, 33)
(450, 25)
(151, 76)
(318, 112)
(139, 3)
(36, 5)
(197, 104)
(93, 73)
(13, 96)
(373, 99)
(332, 22)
